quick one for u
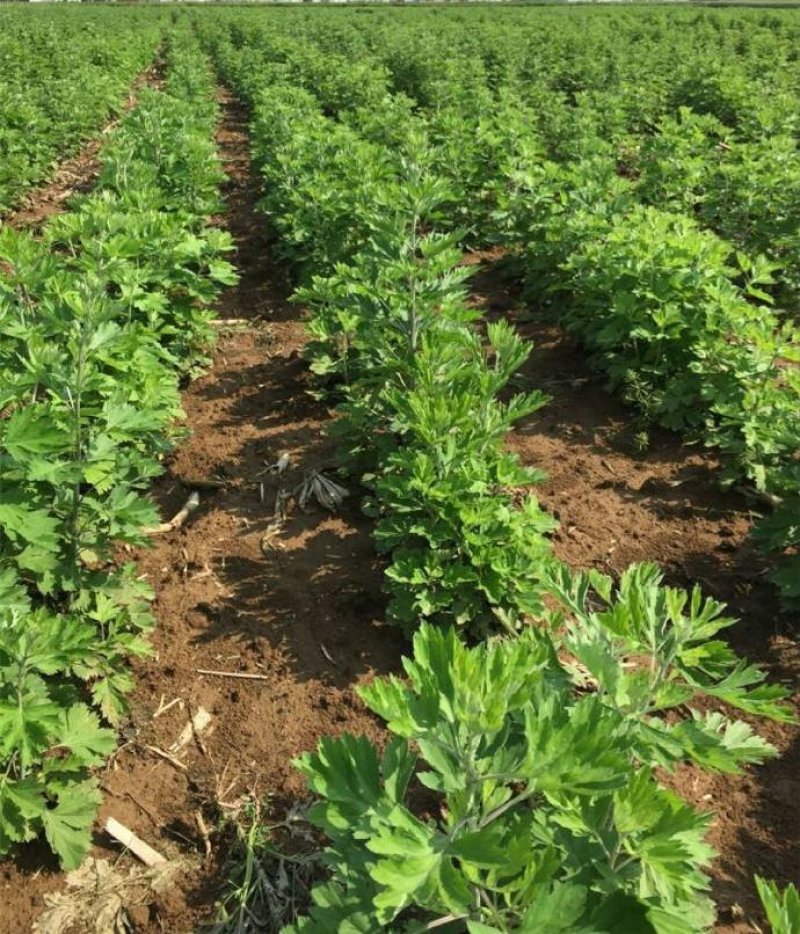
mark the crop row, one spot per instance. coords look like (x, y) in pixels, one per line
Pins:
(100, 316)
(62, 73)
(617, 217)
(535, 753)
(596, 83)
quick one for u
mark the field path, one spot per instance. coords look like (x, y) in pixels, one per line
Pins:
(300, 611)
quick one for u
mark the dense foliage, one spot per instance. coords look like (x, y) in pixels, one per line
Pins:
(547, 814)
(379, 165)
(99, 317)
(650, 210)
(62, 73)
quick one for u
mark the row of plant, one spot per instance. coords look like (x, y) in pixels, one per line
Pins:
(691, 152)
(481, 87)
(62, 72)
(679, 275)
(748, 191)
(100, 317)
(678, 320)
(519, 790)
(546, 177)
(714, 137)
(703, 120)
(740, 65)
(665, 333)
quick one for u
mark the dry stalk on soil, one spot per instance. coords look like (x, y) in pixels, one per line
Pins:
(270, 871)
(178, 520)
(99, 896)
(136, 845)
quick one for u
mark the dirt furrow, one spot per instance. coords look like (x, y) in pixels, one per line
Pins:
(617, 505)
(301, 609)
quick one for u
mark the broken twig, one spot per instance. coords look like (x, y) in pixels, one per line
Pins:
(178, 519)
(328, 655)
(233, 674)
(205, 483)
(201, 826)
(156, 750)
(198, 722)
(136, 845)
(163, 708)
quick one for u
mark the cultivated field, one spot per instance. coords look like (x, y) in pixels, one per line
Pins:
(399, 469)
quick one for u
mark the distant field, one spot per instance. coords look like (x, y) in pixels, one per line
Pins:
(332, 337)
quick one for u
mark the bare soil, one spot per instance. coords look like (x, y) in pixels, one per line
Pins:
(302, 610)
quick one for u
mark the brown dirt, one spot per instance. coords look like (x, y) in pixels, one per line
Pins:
(78, 174)
(305, 615)
(616, 507)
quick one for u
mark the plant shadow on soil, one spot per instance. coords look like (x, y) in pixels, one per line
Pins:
(304, 618)
(616, 506)
(312, 588)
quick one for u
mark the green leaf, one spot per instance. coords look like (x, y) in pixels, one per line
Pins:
(22, 804)
(53, 643)
(782, 908)
(36, 526)
(32, 431)
(82, 734)
(397, 768)
(555, 909)
(737, 689)
(713, 741)
(345, 771)
(13, 597)
(787, 577)
(223, 272)
(109, 694)
(482, 848)
(619, 913)
(67, 826)
(26, 728)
